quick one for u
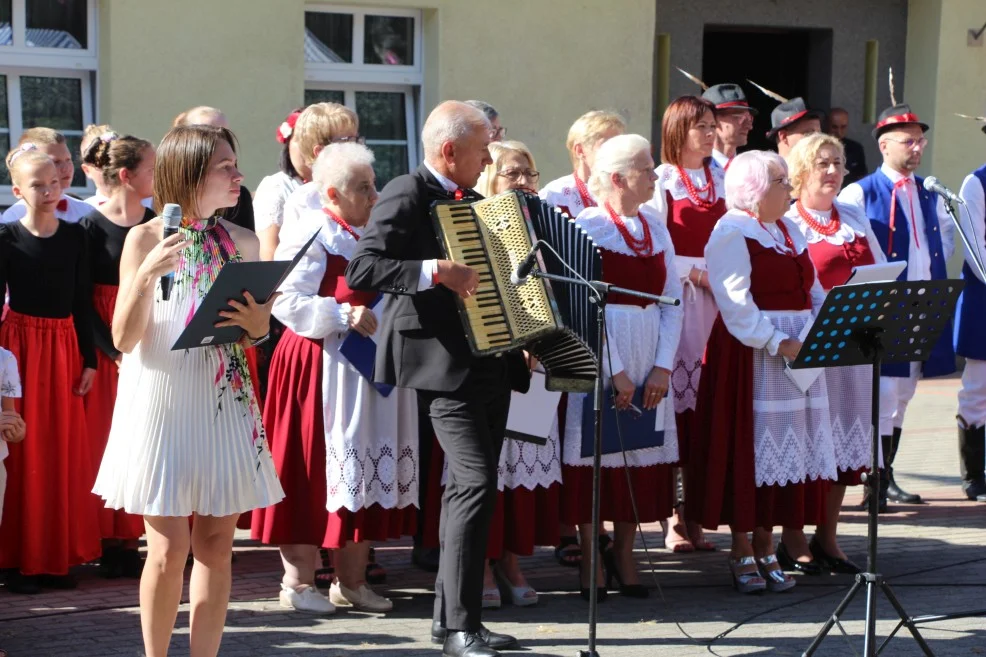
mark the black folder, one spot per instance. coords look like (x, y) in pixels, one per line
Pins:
(261, 279)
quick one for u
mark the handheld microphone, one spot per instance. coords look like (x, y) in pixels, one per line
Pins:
(526, 266)
(932, 185)
(171, 215)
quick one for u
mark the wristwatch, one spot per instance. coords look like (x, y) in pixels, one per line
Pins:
(259, 341)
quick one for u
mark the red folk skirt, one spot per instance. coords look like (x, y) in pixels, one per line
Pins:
(653, 491)
(293, 417)
(99, 405)
(685, 423)
(50, 520)
(522, 519)
(721, 483)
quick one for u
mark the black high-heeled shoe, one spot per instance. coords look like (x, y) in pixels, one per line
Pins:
(601, 591)
(789, 563)
(627, 590)
(830, 563)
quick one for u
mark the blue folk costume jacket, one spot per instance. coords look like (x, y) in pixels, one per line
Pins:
(971, 311)
(877, 191)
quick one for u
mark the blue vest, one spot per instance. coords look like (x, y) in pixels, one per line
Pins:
(877, 189)
(971, 312)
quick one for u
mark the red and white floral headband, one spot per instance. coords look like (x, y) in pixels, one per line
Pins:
(286, 129)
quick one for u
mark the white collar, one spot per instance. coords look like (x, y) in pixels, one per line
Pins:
(720, 158)
(895, 175)
(442, 180)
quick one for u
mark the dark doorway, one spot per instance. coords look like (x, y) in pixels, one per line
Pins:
(790, 62)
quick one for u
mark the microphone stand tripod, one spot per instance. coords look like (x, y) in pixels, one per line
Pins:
(600, 294)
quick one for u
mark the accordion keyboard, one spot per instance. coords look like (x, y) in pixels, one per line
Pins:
(463, 241)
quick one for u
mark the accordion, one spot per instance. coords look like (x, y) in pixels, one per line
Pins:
(556, 323)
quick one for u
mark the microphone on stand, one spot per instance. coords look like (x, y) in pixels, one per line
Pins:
(931, 184)
(171, 215)
(526, 266)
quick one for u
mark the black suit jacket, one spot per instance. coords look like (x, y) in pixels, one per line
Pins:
(421, 343)
(855, 161)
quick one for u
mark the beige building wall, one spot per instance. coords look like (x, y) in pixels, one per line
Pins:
(946, 75)
(539, 66)
(158, 58)
(541, 63)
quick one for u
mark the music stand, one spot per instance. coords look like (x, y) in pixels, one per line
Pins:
(601, 292)
(873, 324)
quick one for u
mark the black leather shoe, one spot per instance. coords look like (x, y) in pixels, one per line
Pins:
(895, 492)
(789, 563)
(899, 495)
(426, 558)
(23, 584)
(494, 640)
(975, 490)
(830, 563)
(466, 644)
(59, 582)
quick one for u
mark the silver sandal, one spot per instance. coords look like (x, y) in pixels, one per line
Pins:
(777, 580)
(746, 582)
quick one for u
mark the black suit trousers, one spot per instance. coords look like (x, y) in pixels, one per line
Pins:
(469, 424)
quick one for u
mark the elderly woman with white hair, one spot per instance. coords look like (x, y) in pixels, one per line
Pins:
(763, 447)
(642, 339)
(345, 450)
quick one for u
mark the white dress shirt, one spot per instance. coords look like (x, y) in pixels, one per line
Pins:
(428, 267)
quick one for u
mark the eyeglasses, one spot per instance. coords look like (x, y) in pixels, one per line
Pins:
(783, 182)
(911, 143)
(358, 139)
(513, 175)
(498, 133)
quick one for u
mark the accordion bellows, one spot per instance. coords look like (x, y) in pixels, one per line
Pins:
(555, 322)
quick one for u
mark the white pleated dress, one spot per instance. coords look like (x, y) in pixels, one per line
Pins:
(187, 436)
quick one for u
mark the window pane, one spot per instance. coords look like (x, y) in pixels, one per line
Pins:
(6, 34)
(4, 119)
(74, 143)
(381, 115)
(328, 38)
(57, 24)
(5, 148)
(391, 161)
(324, 96)
(389, 40)
(51, 102)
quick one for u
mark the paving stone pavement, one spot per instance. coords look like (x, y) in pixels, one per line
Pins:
(933, 555)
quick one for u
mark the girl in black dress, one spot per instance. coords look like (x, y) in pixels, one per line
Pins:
(125, 167)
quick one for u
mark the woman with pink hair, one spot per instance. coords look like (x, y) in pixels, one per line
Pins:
(762, 445)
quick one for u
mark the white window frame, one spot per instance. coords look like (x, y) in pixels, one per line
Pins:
(358, 76)
(19, 59)
(357, 71)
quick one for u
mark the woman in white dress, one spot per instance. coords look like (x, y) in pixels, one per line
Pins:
(274, 190)
(186, 437)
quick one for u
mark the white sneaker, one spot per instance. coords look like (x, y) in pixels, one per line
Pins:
(364, 598)
(308, 600)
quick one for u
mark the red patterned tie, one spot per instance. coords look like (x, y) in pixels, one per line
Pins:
(902, 184)
(458, 194)
(62, 205)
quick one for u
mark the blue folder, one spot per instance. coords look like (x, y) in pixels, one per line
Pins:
(361, 352)
(636, 425)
